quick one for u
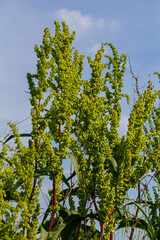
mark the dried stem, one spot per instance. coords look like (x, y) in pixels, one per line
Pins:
(68, 193)
(136, 78)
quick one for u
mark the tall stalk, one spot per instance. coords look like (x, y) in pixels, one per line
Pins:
(35, 179)
(54, 203)
(103, 225)
(54, 188)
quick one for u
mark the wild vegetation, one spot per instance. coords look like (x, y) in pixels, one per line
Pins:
(77, 120)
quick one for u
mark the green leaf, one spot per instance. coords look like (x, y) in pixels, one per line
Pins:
(64, 179)
(21, 135)
(45, 197)
(54, 233)
(72, 223)
(47, 212)
(114, 163)
(141, 224)
(71, 176)
(43, 171)
(72, 219)
(9, 192)
(150, 228)
(69, 222)
(75, 164)
(118, 213)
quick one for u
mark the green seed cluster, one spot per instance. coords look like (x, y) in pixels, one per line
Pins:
(17, 172)
(82, 117)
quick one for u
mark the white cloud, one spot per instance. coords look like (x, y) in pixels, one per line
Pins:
(81, 23)
(77, 21)
(123, 125)
(95, 47)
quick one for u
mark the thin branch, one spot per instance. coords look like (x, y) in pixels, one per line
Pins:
(68, 193)
(3, 140)
(136, 78)
(78, 232)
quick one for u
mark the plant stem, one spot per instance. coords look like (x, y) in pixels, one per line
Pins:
(111, 211)
(137, 212)
(79, 227)
(103, 225)
(111, 235)
(102, 231)
(34, 182)
(54, 187)
(35, 179)
(54, 204)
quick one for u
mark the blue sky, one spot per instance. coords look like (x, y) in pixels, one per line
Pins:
(132, 26)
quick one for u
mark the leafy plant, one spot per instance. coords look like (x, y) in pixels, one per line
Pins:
(77, 119)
